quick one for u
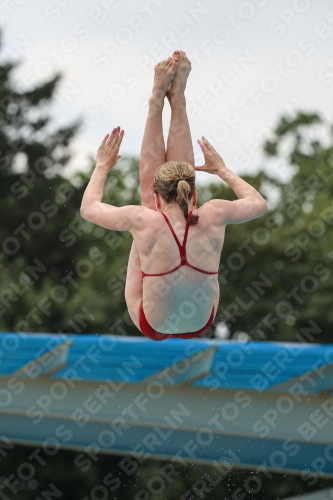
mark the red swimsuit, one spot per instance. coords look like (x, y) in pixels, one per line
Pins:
(146, 329)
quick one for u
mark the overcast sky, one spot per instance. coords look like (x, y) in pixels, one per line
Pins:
(251, 61)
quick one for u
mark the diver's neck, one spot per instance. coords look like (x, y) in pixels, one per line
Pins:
(174, 211)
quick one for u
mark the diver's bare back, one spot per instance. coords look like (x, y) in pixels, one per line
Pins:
(159, 252)
(178, 300)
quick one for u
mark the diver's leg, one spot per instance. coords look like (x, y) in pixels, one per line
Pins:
(153, 148)
(151, 157)
(133, 286)
(179, 145)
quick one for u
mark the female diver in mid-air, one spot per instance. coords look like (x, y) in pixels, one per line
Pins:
(172, 287)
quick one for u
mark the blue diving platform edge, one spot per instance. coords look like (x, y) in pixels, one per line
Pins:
(259, 405)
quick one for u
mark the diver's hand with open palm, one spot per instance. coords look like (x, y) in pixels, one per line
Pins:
(213, 161)
(107, 154)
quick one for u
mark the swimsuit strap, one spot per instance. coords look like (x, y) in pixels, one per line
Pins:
(182, 247)
(186, 229)
(182, 250)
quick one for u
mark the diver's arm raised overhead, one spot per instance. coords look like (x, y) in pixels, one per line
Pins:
(250, 204)
(125, 218)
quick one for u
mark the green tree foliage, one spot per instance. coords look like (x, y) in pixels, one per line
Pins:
(277, 286)
(57, 271)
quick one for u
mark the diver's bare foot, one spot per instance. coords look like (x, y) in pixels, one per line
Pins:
(178, 84)
(164, 74)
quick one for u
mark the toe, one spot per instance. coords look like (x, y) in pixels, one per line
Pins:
(176, 56)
